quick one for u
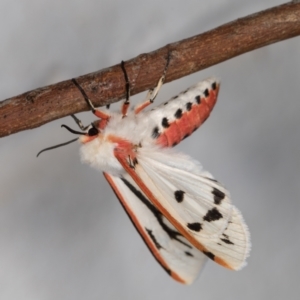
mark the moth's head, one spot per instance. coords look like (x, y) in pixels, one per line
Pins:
(92, 132)
(86, 135)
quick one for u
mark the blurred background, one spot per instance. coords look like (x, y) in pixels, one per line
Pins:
(63, 234)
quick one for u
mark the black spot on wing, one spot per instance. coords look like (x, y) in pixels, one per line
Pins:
(187, 253)
(198, 99)
(166, 103)
(178, 113)
(179, 195)
(153, 238)
(132, 162)
(214, 85)
(218, 196)
(167, 270)
(189, 106)
(209, 254)
(212, 179)
(212, 215)
(155, 132)
(194, 226)
(227, 241)
(206, 93)
(165, 123)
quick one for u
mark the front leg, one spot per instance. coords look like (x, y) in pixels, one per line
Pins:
(98, 113)
(126, 103)
(152, 93)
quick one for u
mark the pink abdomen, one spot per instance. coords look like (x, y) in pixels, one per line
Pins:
(188, 119)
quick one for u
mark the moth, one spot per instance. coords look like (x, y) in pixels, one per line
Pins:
(182, 213)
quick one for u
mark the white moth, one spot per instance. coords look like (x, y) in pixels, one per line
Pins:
(182, 213)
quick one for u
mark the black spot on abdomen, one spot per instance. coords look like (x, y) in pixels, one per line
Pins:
(189, 106)
(165, 123)
(206, 93)
(187, 135)
(198, 99)
(155, 132)
(178, 113)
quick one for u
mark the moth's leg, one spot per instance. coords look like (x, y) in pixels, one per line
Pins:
(152, 93)
(98, 113)
(126, 103)
(79, 123)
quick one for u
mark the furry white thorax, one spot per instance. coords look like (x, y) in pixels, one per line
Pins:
(99, 152)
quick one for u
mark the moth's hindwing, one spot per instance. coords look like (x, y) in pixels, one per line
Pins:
(174, 253)
(194, 202)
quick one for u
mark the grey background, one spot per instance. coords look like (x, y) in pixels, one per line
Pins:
(63, 234)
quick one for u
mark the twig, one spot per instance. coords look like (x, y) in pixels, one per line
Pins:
(37, 107)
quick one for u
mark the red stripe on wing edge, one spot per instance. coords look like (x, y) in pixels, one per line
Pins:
(173, 221)
(155, 252)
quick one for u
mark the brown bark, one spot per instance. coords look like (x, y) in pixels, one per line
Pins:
(37, 107)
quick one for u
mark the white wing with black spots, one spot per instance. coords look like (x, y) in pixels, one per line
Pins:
(175, 254)
(198, 202)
